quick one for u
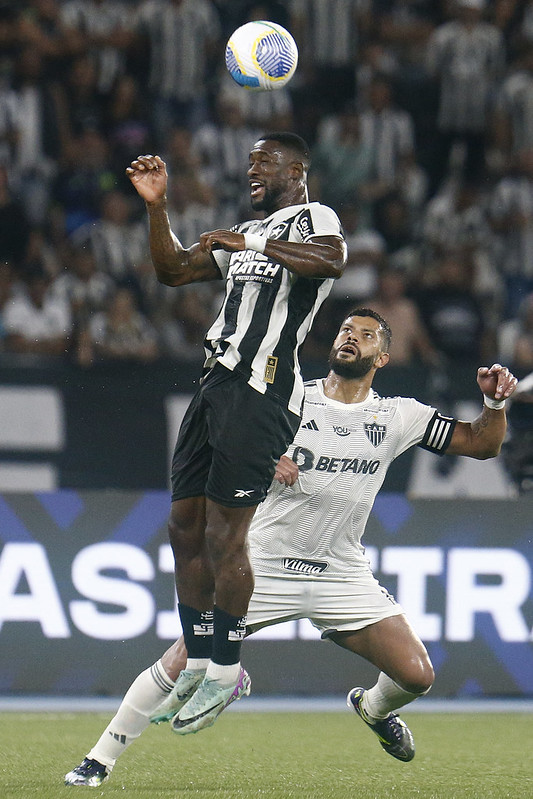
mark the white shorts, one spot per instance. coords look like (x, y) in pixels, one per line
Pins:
(330, 605)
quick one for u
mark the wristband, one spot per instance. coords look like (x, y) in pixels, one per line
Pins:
(253, 241)
(493, 404)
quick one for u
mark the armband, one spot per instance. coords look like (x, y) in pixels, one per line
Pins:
(493, 404)
(253, 241)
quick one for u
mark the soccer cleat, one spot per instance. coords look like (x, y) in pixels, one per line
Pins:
(208, 702)
(90, 773)
(186, 684)
(394, 735)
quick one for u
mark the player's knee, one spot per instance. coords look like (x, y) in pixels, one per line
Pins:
(419, 678)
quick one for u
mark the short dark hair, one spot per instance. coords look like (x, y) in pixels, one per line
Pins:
(386, 332)
(293, 142)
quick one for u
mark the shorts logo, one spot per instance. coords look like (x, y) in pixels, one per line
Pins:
(240, 492)
(270, 369)
(375, 433)
(304, 566)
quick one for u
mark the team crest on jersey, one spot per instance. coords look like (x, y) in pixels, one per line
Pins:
(375, 433)
(276, 231)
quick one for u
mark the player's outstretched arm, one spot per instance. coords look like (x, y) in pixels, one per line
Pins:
(484, 437)
(174, 265)
(325, 256)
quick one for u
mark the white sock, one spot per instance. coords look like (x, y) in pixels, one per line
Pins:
(384, 697)
(143, 697)
(225, 675)
(197, 664)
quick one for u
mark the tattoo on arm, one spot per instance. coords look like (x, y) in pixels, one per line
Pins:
(479, 424)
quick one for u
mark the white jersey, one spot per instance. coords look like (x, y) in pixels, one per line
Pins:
(343, 452)
(268, 310)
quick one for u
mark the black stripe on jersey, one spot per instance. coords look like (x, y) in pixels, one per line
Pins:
(231, 310)
(300, 302)
(438, 433)
(251, 341)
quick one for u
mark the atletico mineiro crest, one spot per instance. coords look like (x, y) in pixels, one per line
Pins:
(375, 432)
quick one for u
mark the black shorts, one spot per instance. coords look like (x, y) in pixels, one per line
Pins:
(229, 442)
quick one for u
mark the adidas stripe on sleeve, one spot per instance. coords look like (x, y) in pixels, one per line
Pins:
(438, 433)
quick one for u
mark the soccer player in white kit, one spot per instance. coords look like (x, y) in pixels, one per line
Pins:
(305, 539)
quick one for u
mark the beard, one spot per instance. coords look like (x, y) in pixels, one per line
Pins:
(351, 370)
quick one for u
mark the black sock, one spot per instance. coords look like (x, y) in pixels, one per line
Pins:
(197, 631)
(228, 636)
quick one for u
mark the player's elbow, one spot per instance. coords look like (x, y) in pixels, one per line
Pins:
(488, 451)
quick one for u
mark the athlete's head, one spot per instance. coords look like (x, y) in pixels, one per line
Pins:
(277, 172)
(362, 344)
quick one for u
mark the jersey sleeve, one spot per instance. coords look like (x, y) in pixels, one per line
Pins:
(438, 433)
(221, 257)
(317, 220)
(425, 426)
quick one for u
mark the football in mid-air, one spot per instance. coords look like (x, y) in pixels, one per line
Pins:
(261, 55)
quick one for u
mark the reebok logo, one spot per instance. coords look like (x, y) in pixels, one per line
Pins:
(240, 492)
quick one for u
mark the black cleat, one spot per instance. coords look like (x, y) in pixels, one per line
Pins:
(394, 735)
(89, 773)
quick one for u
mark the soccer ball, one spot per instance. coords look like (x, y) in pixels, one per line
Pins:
(261, 56)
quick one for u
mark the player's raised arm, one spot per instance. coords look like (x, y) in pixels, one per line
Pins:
(174, 265)
(483, 437)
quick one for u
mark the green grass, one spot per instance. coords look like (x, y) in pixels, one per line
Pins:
(276, 756)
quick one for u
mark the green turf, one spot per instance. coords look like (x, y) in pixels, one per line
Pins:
(276, 756)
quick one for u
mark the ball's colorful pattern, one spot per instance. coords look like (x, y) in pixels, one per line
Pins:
(261, 55)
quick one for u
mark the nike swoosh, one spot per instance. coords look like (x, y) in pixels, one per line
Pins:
(180, 723)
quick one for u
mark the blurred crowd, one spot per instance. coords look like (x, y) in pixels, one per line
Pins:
(419, 114)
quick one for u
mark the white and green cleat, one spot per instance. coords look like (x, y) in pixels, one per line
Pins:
(186, 684)
(208, 702)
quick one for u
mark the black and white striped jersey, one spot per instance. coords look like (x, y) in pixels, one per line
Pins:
(343, 452)
(267, 311)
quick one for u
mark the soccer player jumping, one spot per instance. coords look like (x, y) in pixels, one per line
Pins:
(278, 271)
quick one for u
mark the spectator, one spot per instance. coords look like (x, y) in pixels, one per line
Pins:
(6, 294)
(366, 251)
(35, 321)
(410, 341)
(122, 332)
(330, 34)
(126, 121)
(100, 30)
(466, 56)
(453, 315)
(394, 223)
(220, 147)
(83, 286)
(117, 241)
(389, 129)
(512, 220)
(522, 355)
(182, 38)
(513, 120)
(41, 133)
(343, 164)
(86, 175)
(15, 228)
(41, 27)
